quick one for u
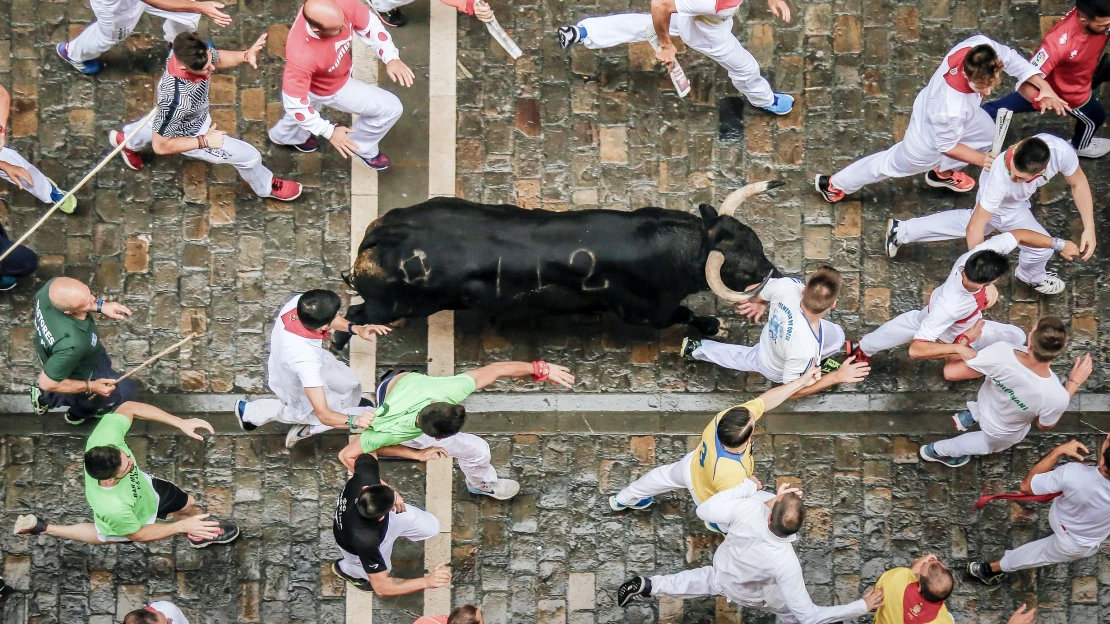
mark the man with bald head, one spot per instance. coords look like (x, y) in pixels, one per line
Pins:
(318, 73)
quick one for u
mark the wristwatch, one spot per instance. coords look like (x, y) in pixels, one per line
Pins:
(100, 306)
(1058, 244)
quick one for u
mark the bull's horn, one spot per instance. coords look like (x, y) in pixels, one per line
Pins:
(740, 195)
(713, 275)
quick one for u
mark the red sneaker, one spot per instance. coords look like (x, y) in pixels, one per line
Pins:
(824, 186)
(130, 157)
(851, 349)
(379, 162)
(285, 190)
(959, 181)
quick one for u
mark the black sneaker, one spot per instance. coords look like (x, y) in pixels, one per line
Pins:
(226, 534)
(688, 347)
(38, 406)
(568, 36)
(75, 420)
(360, 584)
(29, 524)
(829, 365)
(310, 145)
(240, 409)
(5, 591)
(636, 586)
(394, 18)
(983, 572)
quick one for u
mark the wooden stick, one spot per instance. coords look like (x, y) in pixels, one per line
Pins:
(88, 177)
(174, 347)
(1094, 427)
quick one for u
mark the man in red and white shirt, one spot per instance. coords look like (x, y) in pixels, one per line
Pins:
(318, 73)
(1068, 57)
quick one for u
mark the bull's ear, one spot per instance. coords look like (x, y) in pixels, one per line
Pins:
(707, 212)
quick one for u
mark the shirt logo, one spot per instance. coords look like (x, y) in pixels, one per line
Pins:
(373, 566)
(94, 340)
(1073, 54)
(952, 71)
(1039, 58)
(1063, 38)
(45, 336)
(341, 49)
(1013, 396)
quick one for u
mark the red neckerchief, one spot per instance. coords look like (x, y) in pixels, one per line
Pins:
(175, 70)
(727, 4)
(955, 75)
(294, 326)
(1031, 498)
(980, 304)
(917, 610)
(1010, 165)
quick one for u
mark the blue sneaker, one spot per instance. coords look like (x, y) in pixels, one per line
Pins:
(642, 504)
(929, 454)
(88, 67)
(56, 194)
(782, 105)
(964, 420)
(240, 408)
(7, 282)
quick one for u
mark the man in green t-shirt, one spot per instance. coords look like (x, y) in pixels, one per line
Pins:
(419, 417)
(126, 501)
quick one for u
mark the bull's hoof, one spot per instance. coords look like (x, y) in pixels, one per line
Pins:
(706, 325)
(339, 340)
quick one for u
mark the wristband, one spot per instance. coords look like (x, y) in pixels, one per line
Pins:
(100, 306)
(540, 371)
(88, 387)
(351, 328)
(963, 340)
(1058, 244)
(351, 422)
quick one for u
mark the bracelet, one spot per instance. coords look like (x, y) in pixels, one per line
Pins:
(1058, 244)
(100, 306)
(351, 422)
(1070, 380)
(540, 371)
(88, 387)
(963, 340)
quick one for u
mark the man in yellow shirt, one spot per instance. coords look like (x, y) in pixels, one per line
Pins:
(916, 595)
(722, 461)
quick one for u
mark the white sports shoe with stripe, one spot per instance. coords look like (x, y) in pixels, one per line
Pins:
(1097, 148)
(1051, 285)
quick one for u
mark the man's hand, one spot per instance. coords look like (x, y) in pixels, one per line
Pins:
(665, 54)
(788, 488)
(439, 577)
(915, 567)
(1073, 449)
(365, 419)
(19, 176)
(560, 375)
(211, 10)
(398, 502)
(214, 137)
(873, 598)
(1070, 251)
(1050, 101)
(1021, 616)
(400, 73)
(965, 353)
(344, 144)
(200, 526)
(1081, 370)
(780, 9)
(250, 55)
(851, 371)
(812, 374)
(1087, 244)
(191, 425)
(367, 332)
(432, 452)
(103, 387)
(988, 160)
(483, 12)
(752, 309)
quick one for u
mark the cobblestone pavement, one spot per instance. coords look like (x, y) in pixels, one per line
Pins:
(553, 554)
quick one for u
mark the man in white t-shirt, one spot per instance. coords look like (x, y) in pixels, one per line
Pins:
(161, 612)
(1079, 516)
(937, 330)
(1020, 389)
(796, 335)
(315, 391)
(1003, 205)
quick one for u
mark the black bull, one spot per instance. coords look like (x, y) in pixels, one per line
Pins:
(451, 254)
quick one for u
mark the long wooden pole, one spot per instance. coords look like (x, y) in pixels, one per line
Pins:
(173, 347)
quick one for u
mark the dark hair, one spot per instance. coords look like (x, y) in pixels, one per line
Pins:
(1092, 9)
(441, 420)
(466, 614)
(982, 65)
(788, 515)
(983, 267)
(821, 290)
(141, 616)
(375, 502)
(1049, 338)
(191, 51)
(1031, 155)
(735, 426)
(937, 585)
(318, 308)
(1106, 458)
(102, 462)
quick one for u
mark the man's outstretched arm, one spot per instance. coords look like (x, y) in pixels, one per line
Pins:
(538, 370)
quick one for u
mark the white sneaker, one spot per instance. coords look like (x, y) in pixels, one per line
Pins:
(296, 434)
(1097, 148)
(1051, 285)
(892, 244)
(502, 489)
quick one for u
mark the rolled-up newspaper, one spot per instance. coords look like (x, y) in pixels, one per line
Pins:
(678, 77)
(1001, 127)
(502, 37)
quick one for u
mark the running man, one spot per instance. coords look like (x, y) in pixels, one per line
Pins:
(182, 124)
(948, 129)
(315, 391)
(756, 565)
(21, 262)
(1003, 205)
(796, 335)
(126, 501)
(369, 517)
(18, 171)
(318, 73)
(916, 595)
(722, 461)
(1079, 516)
(1069, 59)
(1019, 389)
(419, 417)
(160, 612)
(115, 19)
(704, 25)
(390, 10)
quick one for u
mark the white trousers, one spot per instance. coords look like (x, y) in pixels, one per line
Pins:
(1055, 548)
(40, 187)
(115, 19)
(261, 411)
(901, 330)
(239, 154)
(715, 41)
(471, 451)
(687, 584)
(900, 161)
(660, 480)
(415, 525)
(978, 443)
(750, 359)
(952, 224)
(377, 111)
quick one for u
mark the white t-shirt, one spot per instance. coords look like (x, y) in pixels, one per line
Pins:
(788, 342)
(1083, 512)
(169, 610)
(1000, 195)
(1012, 397)
(710, 12)
(298, 361)
(952, 309)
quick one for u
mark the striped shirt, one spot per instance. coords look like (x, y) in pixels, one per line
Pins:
(182, 100)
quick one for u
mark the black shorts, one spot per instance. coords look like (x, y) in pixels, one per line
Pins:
(83, 405)
(171, 498)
